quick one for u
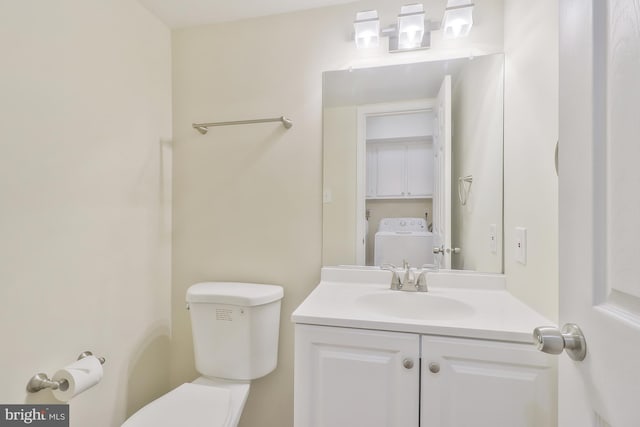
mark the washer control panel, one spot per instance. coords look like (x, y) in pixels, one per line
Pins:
(403, 224)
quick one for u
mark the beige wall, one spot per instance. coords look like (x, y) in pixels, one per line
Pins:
(248, 200)
(531, 132)
(85, 159)
(477, 145)
(339, 180)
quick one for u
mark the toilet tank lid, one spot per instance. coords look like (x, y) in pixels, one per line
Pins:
(234, 293)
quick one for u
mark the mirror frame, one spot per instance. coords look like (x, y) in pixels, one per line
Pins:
(331, 253)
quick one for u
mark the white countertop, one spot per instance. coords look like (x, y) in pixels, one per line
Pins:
(494, 313)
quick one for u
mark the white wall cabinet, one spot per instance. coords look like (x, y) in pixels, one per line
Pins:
(353, 377)
(399, 169)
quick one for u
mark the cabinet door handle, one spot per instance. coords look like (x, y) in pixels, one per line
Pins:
(434, 367)
(407, 363)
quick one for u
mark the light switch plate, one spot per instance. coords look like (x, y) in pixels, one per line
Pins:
(521, 245)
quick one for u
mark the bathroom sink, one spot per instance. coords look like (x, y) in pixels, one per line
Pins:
(414, 305)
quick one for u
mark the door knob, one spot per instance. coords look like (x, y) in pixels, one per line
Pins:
(442, 250)
(407, 363)
(551, 340)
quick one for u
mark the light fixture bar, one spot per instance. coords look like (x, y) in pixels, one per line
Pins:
(412, 31)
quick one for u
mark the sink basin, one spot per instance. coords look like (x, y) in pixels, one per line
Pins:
(413, 305)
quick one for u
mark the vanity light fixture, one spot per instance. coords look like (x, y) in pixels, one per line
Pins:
(458, 19)
(367, 29)
(413, 31)
(410, 33)
(411, 26)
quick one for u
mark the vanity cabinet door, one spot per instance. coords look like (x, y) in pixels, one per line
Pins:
(351, 377)
(473, 383)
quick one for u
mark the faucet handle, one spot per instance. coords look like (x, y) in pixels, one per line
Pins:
(396, 284)
(421, 281)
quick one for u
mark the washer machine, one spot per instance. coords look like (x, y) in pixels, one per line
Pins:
(403, 239)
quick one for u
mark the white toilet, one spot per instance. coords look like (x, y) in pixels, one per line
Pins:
(235, 330)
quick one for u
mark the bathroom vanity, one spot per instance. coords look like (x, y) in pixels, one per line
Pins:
(458, 355)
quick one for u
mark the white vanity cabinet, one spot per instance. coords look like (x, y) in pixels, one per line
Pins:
(356, 377)
(478, 383)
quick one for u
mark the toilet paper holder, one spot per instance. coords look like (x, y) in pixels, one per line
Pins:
(41, 381)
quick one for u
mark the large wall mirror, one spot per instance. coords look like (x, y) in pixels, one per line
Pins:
(413, 162)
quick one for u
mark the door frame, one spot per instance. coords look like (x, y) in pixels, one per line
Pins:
(363, 113)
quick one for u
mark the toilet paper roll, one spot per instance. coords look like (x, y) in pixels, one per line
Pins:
(80, 375)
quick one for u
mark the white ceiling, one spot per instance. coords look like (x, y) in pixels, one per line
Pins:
(187, 13)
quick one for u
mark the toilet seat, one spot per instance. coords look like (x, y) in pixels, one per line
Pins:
(192, 405)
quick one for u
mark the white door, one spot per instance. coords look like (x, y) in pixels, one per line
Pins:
(600, 210)
(354, 377)
(442, 171)
(364, 113)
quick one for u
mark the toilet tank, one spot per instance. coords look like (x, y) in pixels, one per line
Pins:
(235, 328)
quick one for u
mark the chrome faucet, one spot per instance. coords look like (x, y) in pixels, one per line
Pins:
(396, 284)
(411, 280)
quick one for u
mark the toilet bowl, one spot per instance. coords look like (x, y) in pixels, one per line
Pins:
(235, 330)
(202, 403)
